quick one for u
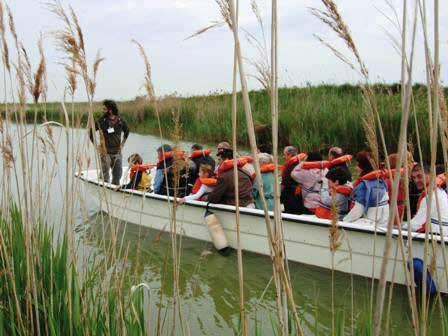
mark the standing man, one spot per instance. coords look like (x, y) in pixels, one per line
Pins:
(111, 142)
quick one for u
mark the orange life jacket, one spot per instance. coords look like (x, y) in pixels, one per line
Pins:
(267, 168)
(344, 190)
(208, 181)
(377, 174)
(174, 154)
(201, 152)
(228, 164)
(326, 164)
(138, 168)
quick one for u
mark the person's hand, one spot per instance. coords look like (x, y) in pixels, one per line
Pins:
(181, 200)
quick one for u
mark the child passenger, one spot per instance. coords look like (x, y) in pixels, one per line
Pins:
(140, 179)
(337, 194)
(204, 184)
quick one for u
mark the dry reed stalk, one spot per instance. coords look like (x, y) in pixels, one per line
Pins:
(335, 242)
(236, 181)
(29, 220)
(402, 157)
(227, 8)
(371, 122)
(173, 210)
(333, 19)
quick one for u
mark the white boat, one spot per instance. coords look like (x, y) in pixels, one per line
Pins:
(306, 237)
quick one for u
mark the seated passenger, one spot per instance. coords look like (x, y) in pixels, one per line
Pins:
(289, 196)
(401, 196)
(203, 186)
(140, 179)
(161, 165)
(224, 191)
(221, 146)
(200, 157)
(175, 172)
(438, 216)
(334, 153)
(369, 194)
(310, 181)
(267, 175)
(337, 197)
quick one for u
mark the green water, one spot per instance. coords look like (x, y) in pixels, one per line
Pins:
(210, 291)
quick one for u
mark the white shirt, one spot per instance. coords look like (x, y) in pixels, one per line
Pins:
(439, 211)
(204, 189)
(378, 214)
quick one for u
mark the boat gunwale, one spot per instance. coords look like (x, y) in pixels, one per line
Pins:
(259, 213)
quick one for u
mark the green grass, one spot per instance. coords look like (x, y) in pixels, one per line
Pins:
(67, 303)
(314, 117)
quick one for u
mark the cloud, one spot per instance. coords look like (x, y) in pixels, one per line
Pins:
(204, 64)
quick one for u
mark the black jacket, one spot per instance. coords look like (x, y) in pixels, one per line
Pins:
(111, 133)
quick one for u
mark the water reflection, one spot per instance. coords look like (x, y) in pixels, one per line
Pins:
(210, 291)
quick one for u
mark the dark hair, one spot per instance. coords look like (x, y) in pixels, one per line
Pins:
(337, 174)
(440, 169)
(135, 159)
(196, 147)
(314, 156)
(426, 168)
(363, 159)
(226, 153)
(111, 106)
(207, 168)
(165, 148)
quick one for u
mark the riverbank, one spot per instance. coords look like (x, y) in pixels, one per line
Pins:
(314, 117)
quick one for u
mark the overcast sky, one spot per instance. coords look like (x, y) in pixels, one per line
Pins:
(203, 64)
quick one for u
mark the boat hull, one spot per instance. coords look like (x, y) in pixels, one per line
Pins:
(307, 239)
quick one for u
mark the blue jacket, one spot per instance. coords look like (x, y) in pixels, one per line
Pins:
(370, 193)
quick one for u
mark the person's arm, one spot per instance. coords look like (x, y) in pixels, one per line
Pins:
(297, 173)
(218, 192)
(201, 192)
(125, 132)
(359, 195)
(419, 220)
(355, 213)
(158, 181)
(91, 135)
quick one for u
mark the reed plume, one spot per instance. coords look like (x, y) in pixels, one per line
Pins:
(371, 122)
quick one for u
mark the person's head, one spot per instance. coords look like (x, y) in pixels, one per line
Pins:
(265, 158)
(334, 153)
(313, 157)
(393, 160)
(289, 152)
(336, 176)
(222, 146)
(135, 159)
(363, 163)
(206, 171)
(196, 147)
(164, 149)
(420, 175)
(110, 107)
(225, 154)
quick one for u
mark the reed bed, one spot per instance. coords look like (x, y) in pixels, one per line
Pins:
(302, 121)
(49, 286)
